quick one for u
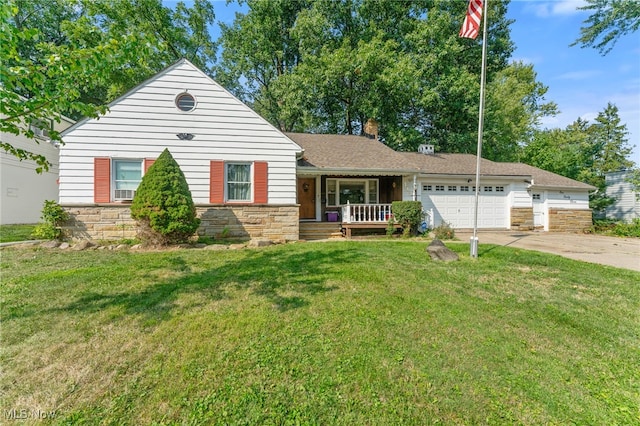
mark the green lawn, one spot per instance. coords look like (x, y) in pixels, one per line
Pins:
(10, 233)
(346, 333)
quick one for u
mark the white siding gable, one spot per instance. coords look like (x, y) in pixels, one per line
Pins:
(145, 121)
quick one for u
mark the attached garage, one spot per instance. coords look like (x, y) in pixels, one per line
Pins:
(454, 204)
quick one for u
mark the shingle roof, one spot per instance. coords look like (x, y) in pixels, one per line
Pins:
(348, 152)
(361, 154)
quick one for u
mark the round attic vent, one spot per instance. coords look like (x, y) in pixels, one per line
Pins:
(185, 102)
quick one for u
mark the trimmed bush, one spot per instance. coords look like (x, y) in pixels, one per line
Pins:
(408, 214)
(163, 205)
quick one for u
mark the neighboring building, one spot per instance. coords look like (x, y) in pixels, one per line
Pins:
(250, 180)
(627, 201)
(23, 189)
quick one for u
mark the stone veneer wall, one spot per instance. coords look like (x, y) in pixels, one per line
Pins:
(522, 218)
(565, 220)
(113, 222)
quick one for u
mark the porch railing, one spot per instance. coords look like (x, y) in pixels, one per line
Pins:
(355, 213)
(361, 213)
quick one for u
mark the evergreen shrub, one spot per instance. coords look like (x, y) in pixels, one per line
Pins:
(163, 205)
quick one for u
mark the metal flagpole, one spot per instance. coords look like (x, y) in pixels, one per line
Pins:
(474, 238)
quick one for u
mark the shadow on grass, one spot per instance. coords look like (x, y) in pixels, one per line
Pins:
(285, 278)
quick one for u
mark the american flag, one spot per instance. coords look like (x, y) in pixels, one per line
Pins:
(471, 24)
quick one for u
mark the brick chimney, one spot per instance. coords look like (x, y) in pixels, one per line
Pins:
(371, 129)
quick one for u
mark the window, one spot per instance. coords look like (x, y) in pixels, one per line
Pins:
(499, 188)
(464, 188)
(439, 187)
(452, 188)
(352, 191)
(238, 182)
(488, 189)
(185, 102)
(427, 188)
(536, 196)
(41, 128)
(127, 175)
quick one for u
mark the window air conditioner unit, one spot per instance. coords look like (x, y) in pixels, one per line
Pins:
(125, 194)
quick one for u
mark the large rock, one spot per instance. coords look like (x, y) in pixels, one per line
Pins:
(84, 244)
(438, 251)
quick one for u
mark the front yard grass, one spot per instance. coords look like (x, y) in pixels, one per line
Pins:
(341, 333)
(11, 233)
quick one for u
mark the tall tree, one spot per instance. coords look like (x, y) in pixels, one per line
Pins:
(609, 20)
(515, 105)
(584, 151)
(401, 63)
(72, 57)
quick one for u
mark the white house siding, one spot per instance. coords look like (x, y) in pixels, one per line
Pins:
(144, 122)
(627, 204)
(23, 191)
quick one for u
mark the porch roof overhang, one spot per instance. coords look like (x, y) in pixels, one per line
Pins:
(316, 171)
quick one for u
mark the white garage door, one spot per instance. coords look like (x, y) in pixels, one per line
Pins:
(454, 204)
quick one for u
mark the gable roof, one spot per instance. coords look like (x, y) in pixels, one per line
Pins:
(359, 154)
(185, 70)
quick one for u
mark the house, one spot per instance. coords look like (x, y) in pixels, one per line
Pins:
(626, 206)
(241, 170)
(23, 190)
(335, 169)
(250, 180)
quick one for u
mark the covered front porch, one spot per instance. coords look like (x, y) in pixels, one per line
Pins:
(339, 206)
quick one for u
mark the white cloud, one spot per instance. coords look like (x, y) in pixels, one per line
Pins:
(545, 9)
(579, 75)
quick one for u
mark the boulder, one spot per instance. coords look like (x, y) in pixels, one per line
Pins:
(260, 243)
(50, 244)
(438, 251)
(84, 244)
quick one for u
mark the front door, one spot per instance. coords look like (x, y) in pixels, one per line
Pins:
(307, 197)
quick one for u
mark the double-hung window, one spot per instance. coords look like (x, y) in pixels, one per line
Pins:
(238, 181)
(127, 175)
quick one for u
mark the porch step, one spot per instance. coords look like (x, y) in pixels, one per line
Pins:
(319, 230)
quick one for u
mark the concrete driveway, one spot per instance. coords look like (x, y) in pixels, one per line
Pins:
(612, 251)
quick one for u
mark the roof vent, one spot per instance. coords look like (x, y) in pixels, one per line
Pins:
(426, 149)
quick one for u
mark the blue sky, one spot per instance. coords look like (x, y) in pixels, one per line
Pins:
(580, 80)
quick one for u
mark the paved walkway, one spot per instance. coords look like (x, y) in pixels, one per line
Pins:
(612, 251)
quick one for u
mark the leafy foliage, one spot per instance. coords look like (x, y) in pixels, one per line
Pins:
(72, 57)
(163, 205)
(617, 228)
(444, 231)
(408, 214)
(610, 20)
(584, 151)
(328, 66)
(53, 216)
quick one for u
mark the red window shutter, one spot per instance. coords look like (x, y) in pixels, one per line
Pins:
(216, 182)
(260, 182)
(148, 162)
(102, 180)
